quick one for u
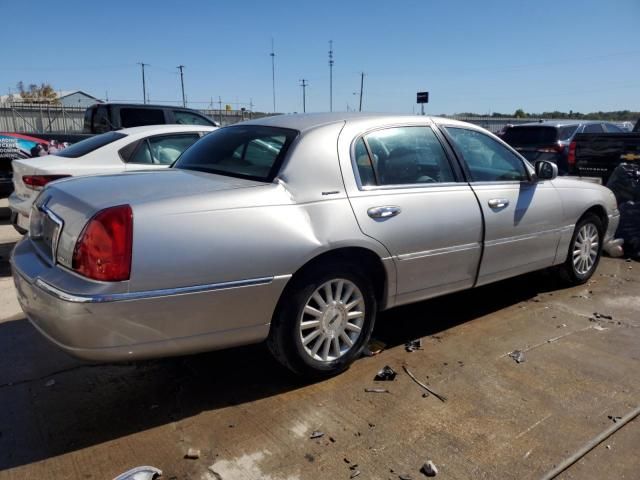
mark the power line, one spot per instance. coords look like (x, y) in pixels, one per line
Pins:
(304, 83)
(180, 67)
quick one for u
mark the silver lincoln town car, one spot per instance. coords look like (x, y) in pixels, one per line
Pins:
(296, 229)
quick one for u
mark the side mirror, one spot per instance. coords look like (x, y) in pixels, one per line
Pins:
(546, 170)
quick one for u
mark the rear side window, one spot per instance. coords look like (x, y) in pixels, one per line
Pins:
(402, 156)
(593, 128)
(162, 150)
(138, 117)
(90, 144)
(566, 132)
(533, 135)
(611, 128)
(253, 152)
(486, 159)
(187, 118)
(101, 122)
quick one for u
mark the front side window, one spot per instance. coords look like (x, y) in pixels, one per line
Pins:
(244, 151)
(162, 150)
(138, 117)
(101, 120)
(402, 156)
(187, 118)
(486, 159)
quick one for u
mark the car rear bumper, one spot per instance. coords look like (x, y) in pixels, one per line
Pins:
(135, 325)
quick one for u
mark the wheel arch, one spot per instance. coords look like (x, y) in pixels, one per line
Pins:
(599, 211)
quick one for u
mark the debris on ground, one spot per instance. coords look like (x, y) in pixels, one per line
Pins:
(413, 345)
(140, 473)
(50, 383)
(316, 434)
(373, 348)
(404, 476)
(608, 447)
(562, 325)
(442, 398)
(192, 453)
(386, 374)
(602, 315)
(355, 474)
(600, 328)
(429, 469)
(614, 418)
(376, 390)
(517, 355)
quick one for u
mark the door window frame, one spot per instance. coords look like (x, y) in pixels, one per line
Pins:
(469, 178)
(449, 155)
(126, 155)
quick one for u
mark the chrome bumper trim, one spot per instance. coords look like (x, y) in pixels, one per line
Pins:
(123, 297)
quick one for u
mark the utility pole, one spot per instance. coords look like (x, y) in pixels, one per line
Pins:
(331, 75)
(220, 110)
(180, 67)
(273, 75)
(361, 88)
(304, 85)
(144, 83)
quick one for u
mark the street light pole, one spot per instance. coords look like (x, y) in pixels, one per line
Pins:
(361, 88)
(273, 75)
(304, 85)
(144, 84)
(180, 67)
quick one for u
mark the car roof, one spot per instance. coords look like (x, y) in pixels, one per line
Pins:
(165, 128)
(308, 121)
(141, 105)
(558, 123)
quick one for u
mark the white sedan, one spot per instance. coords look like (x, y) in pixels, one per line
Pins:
(138, 148)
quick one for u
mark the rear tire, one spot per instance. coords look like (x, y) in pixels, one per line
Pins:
(584, 252)
(323, 320)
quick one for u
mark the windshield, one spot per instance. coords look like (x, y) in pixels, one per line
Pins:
(249, 151)
(90, 144)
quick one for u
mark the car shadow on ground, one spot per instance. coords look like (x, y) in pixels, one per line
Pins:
(5, 253)
(52, 405)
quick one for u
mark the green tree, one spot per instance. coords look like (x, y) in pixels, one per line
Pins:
(519, 113)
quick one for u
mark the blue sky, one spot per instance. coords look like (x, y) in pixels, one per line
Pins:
(480, 56)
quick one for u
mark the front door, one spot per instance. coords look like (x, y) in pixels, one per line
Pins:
(410, 198)
(522, 217)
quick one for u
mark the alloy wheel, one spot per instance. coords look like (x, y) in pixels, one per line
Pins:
(585, 248)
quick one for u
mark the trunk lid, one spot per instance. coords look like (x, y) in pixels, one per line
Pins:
(74, 201)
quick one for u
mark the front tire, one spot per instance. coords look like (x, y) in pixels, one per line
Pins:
(323, 321)
(585, 250)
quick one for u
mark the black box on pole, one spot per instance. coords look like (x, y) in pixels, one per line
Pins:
(422, 97)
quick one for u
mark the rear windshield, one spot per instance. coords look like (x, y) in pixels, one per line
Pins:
(90, 144)
(537, 135)
(249, 151)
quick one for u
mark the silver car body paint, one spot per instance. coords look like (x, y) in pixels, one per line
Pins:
(212, 255)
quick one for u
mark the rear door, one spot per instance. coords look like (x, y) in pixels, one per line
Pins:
(411, 198)
(522, 217)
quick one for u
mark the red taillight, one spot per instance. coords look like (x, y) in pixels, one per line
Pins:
(39, 181)
(103, 251)
(571, 158)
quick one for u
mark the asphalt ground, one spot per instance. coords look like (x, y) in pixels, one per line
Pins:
(250, 419)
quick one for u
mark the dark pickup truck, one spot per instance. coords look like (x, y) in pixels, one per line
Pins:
(598, 154)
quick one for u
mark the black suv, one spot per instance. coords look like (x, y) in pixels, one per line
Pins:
(550, 140)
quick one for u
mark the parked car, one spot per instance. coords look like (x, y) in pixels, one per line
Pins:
(136, 148)
(299, 243)
(598, 154)
(105, 117)
(550, 140)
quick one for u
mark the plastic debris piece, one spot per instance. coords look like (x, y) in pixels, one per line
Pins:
(140, 473)
(386, 374)
(374, 348)
(600, 328)
(404, 476)
(429, 469)
(614, 418)
(316, 434)
(192, 454)
(50, 383)
(413, 345)
(355, 474)
(376, 390)
(442, 398)
(517, 355)
(602, 315)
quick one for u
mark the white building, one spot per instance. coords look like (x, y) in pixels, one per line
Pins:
(70, 98)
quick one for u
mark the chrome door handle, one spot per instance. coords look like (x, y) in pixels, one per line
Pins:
(383, 212)
(498, 203)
